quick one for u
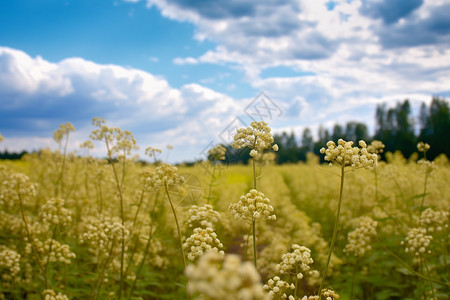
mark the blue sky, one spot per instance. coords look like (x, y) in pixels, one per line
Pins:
(180, 72)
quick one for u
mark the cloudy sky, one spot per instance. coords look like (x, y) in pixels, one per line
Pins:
(186, 73)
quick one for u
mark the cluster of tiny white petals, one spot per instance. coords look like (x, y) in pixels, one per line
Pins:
(54, 212)
(257, 137)
(202, 241)
(118, 141)
(277, 288)
(102, 234)
(345, 155)
(426, 166)
(328, 294)
(63, 130)
(51, 295)
(359, 240)
(152, 152)
(296, 262)
(423, 147)
(52, 251)
(434, 221)
(202, 216)
(9, 264)
(17, 187)
(252, 206)
(216, 276)
(165, 175)
(376, 147)
(417, 241)
(217, 153)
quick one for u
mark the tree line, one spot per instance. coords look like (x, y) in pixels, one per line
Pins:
(396, 127)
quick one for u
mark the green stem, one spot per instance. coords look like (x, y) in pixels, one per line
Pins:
(411, 269)
(424, 191)
(333, 240)
(254, 173)
(211, 183)
(429, 275)
(119, 188)
(254, 241)
(178, 226)
(353, 278)
(36, 253)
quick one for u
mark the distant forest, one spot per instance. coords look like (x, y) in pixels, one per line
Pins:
(396, 127)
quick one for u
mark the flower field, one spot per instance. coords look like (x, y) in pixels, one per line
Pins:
(77, 227)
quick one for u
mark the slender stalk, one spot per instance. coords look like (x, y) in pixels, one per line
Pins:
(429, 275)
(102, 273)
(33, 246)
(147, 248)
(213, 178)
(353, 278)
(119, 188)
(178, 226)
(424, 191)
(254, 242)
(333, 239)
(411, 269)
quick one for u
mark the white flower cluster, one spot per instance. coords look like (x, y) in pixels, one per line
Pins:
(63, 129)
(1, 137)
(17, 187)
(54, 212)
(376, 147)
(202, 216)
(217, 153)
(201, 241)
(359, 240)
(100, 234)
(423, 147)
(51, 295)
(252, 206)
(152, 152)
(165, 176)
(345, 155)
(9, 264)
(426, 166)
(224, 277)
(296, 262)
(417, 241)
(257, 137)
(328, 294)
(277, 288)
(434, 221)
(52, 251)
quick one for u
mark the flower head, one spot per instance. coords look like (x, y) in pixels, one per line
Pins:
(345, 155)
(217, 153)
(165, 176)
(252, 206)
(256, 137)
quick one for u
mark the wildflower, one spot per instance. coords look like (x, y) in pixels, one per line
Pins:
(201, 241)
(217, 153)
(18, 187)
(52, 251)
(224, 277)
(359, 240)
(434, 221)
(165, 175)
(151, 152)
(423, 147)
(54, 212)
(277, 288)
(63, 130)
(376, 147)
(328, 294)
(9, 264)
(1, 137)
(202, 216)
(256, 137)
(252, 206)
(417, 241)
(345, 155)
(51, 295)
(296, 262)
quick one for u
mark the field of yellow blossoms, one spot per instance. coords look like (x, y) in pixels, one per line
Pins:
(77, 227)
